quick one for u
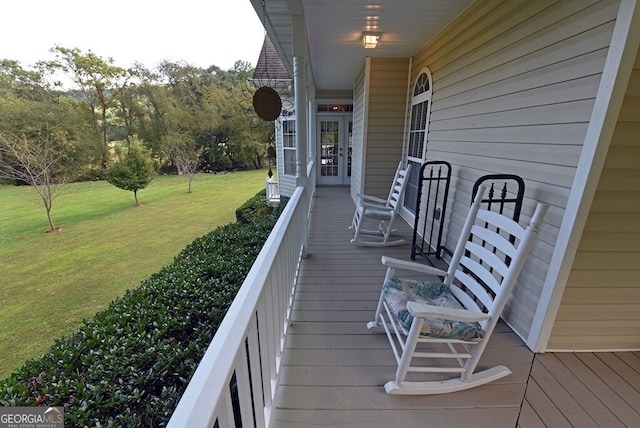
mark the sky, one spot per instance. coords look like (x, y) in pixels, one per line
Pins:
(199, 32)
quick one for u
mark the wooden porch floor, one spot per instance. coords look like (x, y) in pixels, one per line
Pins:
(334, 369)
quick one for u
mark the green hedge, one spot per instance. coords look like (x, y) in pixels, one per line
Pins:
(129, 365)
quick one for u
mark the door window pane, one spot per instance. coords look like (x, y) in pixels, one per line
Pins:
(329, 148)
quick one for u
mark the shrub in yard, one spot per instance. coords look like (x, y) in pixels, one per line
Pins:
(130, 364)
(255, 208)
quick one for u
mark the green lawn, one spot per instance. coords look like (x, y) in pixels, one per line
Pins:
(50, 282)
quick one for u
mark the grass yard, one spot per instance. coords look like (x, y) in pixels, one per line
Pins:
(50, 282)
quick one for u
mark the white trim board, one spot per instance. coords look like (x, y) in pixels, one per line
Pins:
(617, 70)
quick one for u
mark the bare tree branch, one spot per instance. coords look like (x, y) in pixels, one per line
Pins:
(33, 164)
(187, 162)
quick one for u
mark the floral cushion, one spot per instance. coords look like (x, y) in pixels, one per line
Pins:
(398, 291)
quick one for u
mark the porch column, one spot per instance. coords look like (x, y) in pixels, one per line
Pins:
(300, 91)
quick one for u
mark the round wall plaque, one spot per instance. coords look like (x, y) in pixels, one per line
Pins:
(267, 103)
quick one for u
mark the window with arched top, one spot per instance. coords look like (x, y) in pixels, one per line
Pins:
(417, 139)
(423, 84)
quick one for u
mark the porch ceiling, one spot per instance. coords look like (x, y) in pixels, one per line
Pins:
(334, 28)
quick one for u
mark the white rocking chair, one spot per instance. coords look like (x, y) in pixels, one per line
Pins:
(420, 317)
(381, 212)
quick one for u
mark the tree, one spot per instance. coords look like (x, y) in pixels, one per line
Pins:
(37, 165)
(184, 154)
(134, 170)
(27, 84)
(99, 82)
(221, 129)
(101, 103)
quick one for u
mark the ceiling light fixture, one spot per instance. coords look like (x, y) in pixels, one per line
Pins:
(370, 40)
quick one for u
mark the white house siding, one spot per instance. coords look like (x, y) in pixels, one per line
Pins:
(379, 106)
(385, 117)
(358, 134)
(600, 307)
(514, 84)
(286, 183)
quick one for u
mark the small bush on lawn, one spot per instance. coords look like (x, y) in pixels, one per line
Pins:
(130, 364)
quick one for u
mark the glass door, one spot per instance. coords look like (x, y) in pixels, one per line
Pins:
(335, 140)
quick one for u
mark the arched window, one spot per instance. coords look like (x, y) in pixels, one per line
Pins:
(423, 84)
(417, 138)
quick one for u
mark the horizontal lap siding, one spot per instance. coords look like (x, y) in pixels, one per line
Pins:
(601, 305)
(385, 122)
(358, 134)
(514, 84)
(286, 183)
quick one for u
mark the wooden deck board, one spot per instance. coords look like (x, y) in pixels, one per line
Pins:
(546, 392)
(361, 397)
(599, 388)
(537, 399)
(584, 389)
(627, 398)
(626, 364)
(334, 368)
(528, 418)
(375, 418)
(362, 375)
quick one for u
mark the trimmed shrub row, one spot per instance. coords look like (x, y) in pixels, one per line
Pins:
(130, 364)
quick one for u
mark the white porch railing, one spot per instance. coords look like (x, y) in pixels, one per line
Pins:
(237, 378)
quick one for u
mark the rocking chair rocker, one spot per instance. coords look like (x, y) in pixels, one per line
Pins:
(381, 212)
(419, 317)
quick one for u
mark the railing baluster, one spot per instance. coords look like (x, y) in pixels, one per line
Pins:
(225, 416)
(261, 309)
(266, 349)
(244, 388)
(256, 371)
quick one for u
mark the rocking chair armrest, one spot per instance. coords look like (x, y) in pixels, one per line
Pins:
(423, 310)
(413, 266)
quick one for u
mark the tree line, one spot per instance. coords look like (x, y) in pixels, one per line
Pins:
(81, 117)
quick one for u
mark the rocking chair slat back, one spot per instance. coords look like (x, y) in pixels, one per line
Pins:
(491, 239)
(464, 309)
(373, 218)
(478, 281)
